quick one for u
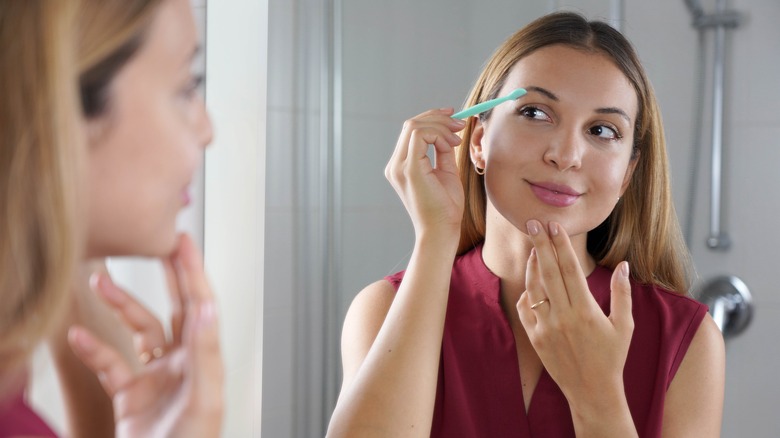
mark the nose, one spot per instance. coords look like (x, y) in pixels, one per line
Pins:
(565, 150)
(205, 129)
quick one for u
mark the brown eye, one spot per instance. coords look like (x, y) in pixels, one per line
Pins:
(604, 132)
(533, 112)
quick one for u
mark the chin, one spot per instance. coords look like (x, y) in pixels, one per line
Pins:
(154, 246)
(162, 246)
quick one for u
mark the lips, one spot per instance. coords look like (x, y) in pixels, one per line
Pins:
(186, 199)
(556, 195)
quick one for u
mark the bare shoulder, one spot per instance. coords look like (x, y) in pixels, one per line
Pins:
(708, 341)
(694, 401)
(363, 321)
(374, 300)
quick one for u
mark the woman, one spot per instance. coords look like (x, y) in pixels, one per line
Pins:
(545, 292)
(102, 129)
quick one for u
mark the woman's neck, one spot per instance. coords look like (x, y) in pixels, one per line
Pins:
(506, 251)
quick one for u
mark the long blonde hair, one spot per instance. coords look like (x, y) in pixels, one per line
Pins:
(64, 55)
(40, 159)
(643, 228)
(112, 31)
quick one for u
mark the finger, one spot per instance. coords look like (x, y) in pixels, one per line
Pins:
(446, 159)
(191, 275)
(148, 333)
(527, 316)
(206, 372)
(549, 271)
(620, 306)
(437, 118)
(576, 285)
(534, 287)
(104, 361)
(433, 119)
(177, 301)
(432, 129)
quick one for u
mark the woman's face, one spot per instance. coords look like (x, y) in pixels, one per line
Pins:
(563, 152)
(144, 150)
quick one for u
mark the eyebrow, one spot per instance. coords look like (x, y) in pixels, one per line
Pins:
(613, 110)
(549, 94)
(544, 91)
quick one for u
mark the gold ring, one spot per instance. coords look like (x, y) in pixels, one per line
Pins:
(147, 356)
(539, 303)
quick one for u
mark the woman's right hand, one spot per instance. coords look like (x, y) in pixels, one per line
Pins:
(433, 196)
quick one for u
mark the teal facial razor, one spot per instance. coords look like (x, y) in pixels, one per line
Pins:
(484, 106)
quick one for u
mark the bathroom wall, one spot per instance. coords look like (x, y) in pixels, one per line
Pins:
(751, 151)
(402, 58)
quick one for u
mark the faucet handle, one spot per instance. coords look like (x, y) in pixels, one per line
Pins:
(730, 303)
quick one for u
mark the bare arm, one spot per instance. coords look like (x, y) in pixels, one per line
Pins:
(694, 401)
(390, 351)
(391, 345)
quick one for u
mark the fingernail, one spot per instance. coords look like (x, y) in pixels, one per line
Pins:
(94, 280)
(458, 122)
(553, 228)
(533, 227)
(624, 270)
(108, 289)
(82, 340)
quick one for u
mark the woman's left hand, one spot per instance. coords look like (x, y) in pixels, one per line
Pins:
(583, 350)
(176, 389)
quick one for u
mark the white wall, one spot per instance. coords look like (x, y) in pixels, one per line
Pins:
(234, 242)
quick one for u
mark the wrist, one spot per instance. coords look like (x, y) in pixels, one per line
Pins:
(444, 243)
(603, 412)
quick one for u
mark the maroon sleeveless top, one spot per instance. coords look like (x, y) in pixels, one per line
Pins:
(18, 419)
(479, 393)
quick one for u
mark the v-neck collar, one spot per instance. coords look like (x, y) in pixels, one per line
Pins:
(546, 393)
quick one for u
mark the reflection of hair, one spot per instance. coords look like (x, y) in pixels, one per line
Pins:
(52, 47)
(112, 32)
(643, 227)
(40, 152)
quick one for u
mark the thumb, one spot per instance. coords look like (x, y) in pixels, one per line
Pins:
(620, 306)
(206, 373)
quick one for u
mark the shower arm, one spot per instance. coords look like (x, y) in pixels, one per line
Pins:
(720, 21)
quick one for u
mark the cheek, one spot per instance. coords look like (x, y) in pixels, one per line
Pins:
(610, 177)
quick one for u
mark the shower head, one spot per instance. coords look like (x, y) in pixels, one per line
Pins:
(695, 7)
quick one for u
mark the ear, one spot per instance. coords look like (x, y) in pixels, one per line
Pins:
(476, 151)
(629, 172)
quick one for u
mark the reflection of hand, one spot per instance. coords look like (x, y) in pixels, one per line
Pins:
(89, 408)
(583, 350)
(433, 196)
(178, 390)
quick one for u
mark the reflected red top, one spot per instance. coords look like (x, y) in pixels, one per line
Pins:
(18, 419)
(479, 393)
